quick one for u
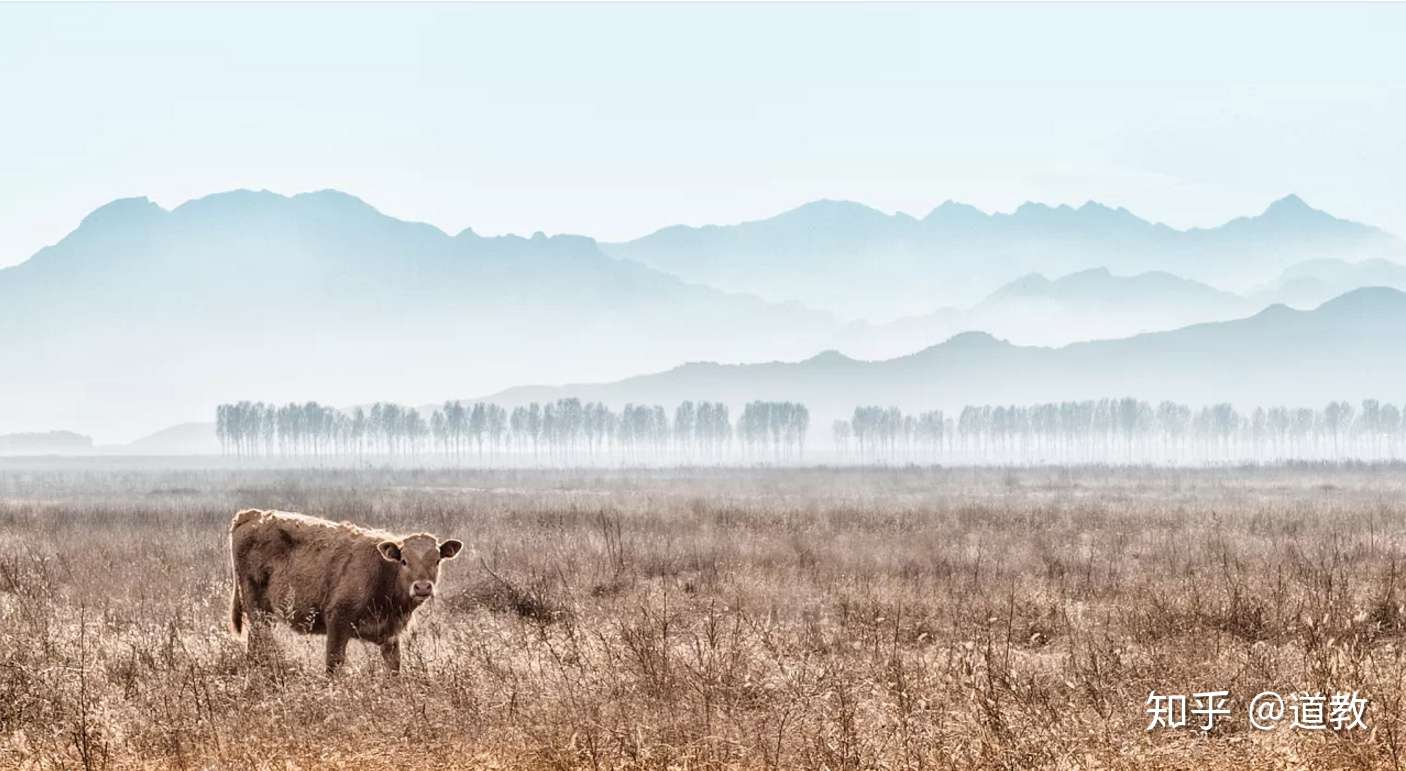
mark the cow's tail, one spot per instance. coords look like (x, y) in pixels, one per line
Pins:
(236, 598)
(236, 610)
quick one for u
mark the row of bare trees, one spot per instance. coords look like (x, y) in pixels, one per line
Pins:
(570, 431)
(775, 430)
(1124, 430)
(564, 431)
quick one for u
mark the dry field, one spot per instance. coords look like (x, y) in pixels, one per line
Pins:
(719, 619)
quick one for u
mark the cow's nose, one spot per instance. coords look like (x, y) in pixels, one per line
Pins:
(422, 588)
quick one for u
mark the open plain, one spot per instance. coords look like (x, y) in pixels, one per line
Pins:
(712, 618)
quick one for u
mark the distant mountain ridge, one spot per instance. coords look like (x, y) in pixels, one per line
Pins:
(844, 256)
(1036, 310)
(143, 316)
(46, 443)
(1100, 286)
(1344, 349)
(1309, 283)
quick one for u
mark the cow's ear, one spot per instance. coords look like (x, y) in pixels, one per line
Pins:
(390, 551)
(450, 549)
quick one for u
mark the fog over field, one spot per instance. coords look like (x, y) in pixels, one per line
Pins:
(702, 386)
(143, 320)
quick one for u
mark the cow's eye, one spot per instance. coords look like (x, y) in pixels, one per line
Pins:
(403, 562)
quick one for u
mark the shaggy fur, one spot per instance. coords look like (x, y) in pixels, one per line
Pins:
(321, 577)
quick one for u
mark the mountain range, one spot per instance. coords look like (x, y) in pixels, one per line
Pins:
(1035, 310)
(863, 263)
(1347, 348)
(143, 317)
(1310, 283)
(1343, 349)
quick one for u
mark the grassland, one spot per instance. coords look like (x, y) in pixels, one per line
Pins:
(811, 618)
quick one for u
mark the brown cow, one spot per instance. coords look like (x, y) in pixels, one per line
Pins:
(326, 578)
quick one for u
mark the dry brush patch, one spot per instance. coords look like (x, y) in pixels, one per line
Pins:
(698, 618)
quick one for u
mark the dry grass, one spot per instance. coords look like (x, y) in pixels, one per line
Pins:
(712, 619)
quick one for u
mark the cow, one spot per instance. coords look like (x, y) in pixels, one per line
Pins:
(322, 577)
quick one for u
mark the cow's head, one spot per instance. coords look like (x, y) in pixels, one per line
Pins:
(418, 557)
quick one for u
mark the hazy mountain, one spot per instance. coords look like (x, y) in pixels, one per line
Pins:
(1347, 348)
(1035, 310)
(858, 261)
(46, 443)
(1098, 288)
(143, 317)
(1310, 283)
(185, 439)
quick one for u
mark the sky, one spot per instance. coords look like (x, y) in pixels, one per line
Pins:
(615, 120)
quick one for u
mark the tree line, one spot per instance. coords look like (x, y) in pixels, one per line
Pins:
(564, 431)
(1123, 430)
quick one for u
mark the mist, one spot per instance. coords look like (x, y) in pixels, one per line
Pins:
(143, 318)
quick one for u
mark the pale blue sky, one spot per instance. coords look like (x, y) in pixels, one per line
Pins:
(614, 120)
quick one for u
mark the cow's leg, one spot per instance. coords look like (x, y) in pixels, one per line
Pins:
(337, 635)
(390, 653)
(262, 648)
(259, 642)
